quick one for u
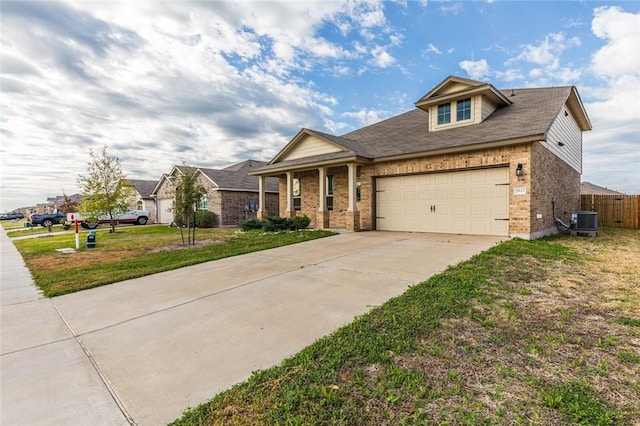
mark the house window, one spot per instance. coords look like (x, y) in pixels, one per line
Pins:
(139, 205)
(203, 204)
(329, 192)
(358, 191)
(297, 204)
(444, 113)
(464, 109)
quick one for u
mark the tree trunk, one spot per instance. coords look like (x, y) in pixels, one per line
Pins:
(193, 239)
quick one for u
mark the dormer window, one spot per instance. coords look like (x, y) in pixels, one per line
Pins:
(444, 113)
(460, 102)
(463, 110)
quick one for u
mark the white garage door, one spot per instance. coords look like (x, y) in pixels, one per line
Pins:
(467, 202)
(165, 210)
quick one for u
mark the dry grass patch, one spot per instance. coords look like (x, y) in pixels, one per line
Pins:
(537, 333)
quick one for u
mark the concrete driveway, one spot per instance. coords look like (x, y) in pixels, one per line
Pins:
(141, 351)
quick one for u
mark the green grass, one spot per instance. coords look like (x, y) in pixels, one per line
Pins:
(131, 253)
(467, 346)
(32, 230)
(134, 237)
(581, 403)
(11, 226)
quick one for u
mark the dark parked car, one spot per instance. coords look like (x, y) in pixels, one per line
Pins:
(11, 216)
(48, 219)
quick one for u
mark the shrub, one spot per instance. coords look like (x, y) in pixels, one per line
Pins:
(250, 224)
(205, 219)
(301, 222)
(277, 223)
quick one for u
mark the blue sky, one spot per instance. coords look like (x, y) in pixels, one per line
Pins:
(213, 83)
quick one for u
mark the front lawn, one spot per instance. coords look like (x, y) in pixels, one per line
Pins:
(137, 251)
(528, 332)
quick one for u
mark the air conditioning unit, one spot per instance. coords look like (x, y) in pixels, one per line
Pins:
(584, 221)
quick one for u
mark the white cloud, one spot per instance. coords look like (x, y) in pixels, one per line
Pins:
(547, 53)
(382, 58)
(612, 148)
(546, 60)
(621, 30)
(509, 75)
(159, 83)
(431, 48)
(367, 116)
(477, 70)
(454, 8)
(396, 39)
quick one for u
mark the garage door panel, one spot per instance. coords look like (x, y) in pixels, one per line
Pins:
(459, 193)
(457, 202)
(441, 194)
(441, 179)
(165, 210)
(479, 193)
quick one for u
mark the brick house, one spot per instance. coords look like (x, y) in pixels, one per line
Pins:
(469, 159)
(231, 193)
(588, 188)
(142, 197)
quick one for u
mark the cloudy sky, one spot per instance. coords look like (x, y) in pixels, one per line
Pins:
(213, 83)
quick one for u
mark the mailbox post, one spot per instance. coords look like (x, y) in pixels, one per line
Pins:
(91, 239)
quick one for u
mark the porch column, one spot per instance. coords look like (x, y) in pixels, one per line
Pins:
(290, 212)
(353, 215)
(262, 208)
(322, 217)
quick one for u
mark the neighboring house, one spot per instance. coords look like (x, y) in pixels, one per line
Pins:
(469, 159)
(587, 188)
(231, 193)
(53, 204)
(143, 198)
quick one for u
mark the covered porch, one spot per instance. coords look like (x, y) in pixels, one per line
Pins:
(328, 193)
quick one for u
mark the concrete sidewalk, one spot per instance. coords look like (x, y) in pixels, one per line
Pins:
(143, 350)
(45, 375)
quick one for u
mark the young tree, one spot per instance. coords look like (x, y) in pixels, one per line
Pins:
(104, 188)
(188, 192)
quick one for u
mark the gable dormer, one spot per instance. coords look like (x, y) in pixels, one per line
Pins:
(460, 102)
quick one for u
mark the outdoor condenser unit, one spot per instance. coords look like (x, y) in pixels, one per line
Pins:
(584, 221)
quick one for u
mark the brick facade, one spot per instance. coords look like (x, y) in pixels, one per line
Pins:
(233, 206)
(551, 177)
(228, 206)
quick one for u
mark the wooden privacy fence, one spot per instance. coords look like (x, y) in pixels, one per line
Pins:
(616, 211)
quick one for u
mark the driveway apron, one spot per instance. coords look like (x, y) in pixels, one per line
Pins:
(143, 350)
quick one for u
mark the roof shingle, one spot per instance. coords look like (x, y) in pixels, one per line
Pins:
(530, 115)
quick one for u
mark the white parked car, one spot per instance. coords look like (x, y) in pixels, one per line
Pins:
(136, 217)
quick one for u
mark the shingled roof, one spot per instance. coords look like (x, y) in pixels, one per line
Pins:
(144, 187)
(528, 118)
(588, 188)
(236, 177)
